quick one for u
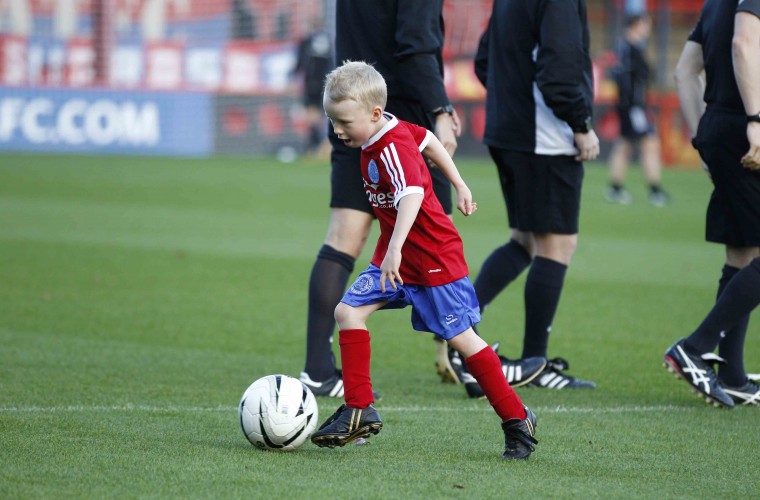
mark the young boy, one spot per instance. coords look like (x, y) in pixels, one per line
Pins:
(418, 261)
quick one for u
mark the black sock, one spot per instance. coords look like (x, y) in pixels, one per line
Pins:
(327, 284)
(543, 288)
(654, 188)
(740, 297)
(731, 347)
(499, 270)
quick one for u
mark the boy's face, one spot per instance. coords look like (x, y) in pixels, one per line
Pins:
(353, 122)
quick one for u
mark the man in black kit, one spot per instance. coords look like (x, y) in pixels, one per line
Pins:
(315, 60)
(403, 40)
(726, 44)
(535, 64)
(632, 75)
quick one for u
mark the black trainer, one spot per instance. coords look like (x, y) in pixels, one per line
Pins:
(332, 387)
(517, 372)
(747, 394)
(698, 371)
(553, 378)
(346, 425)
(519, 436)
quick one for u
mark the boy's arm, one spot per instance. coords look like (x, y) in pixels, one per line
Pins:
(408, 208)
(435, 151)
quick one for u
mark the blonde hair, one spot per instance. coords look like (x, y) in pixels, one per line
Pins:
(358, 81)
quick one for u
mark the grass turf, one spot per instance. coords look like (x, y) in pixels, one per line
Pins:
(139, 297)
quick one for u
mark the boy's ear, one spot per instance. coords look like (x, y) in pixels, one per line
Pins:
(377, 113)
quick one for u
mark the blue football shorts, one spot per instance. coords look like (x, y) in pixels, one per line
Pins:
(445, 310)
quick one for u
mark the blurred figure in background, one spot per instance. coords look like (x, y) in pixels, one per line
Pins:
(632, 75)
(243, 21)
(315, 60)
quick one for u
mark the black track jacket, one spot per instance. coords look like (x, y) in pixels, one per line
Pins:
(402, 39)
(535, 64)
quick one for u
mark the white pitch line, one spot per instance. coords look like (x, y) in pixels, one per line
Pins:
(392, 409)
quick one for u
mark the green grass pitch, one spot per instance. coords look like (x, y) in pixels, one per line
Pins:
(140, 297)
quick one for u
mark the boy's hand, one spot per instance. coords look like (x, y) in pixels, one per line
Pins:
(464, 201)
(389, 270)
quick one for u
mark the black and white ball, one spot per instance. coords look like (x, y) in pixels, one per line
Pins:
(278, 412)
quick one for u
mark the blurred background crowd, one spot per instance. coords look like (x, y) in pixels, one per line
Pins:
(205, 77)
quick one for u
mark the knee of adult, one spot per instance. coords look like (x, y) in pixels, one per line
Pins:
(565, 248)
(570, 245)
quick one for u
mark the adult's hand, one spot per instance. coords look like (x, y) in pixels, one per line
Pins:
(588, 145)
(447, 129)
(751, 160)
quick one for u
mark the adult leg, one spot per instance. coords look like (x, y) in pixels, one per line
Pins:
(543, 288)
(618, 169)
(739, 299)
(508, 261)
(503, 266)
(731, 346)
(619, 158)
(651, 167)
(317, 130)
(651, 164)
(346, 235)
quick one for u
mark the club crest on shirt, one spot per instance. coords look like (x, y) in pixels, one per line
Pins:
(363, 285)
(374, 174)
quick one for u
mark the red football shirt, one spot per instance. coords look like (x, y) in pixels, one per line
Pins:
(393, 167)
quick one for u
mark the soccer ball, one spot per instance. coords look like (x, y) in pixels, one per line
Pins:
(278, 412)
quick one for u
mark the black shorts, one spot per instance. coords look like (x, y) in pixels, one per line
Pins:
(733, 214)
(635, 123)
(542, 193)
(347, 187)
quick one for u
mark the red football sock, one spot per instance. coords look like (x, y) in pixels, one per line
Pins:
(486, 368)
(354, 358)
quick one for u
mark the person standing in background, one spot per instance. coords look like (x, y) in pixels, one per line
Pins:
(315, 60)
(632, 75)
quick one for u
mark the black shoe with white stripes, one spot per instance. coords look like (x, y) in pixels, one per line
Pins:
(517, 372)
(346, 425)
(747, 394)
(332, 387)
(698, 370)
(553, 378)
